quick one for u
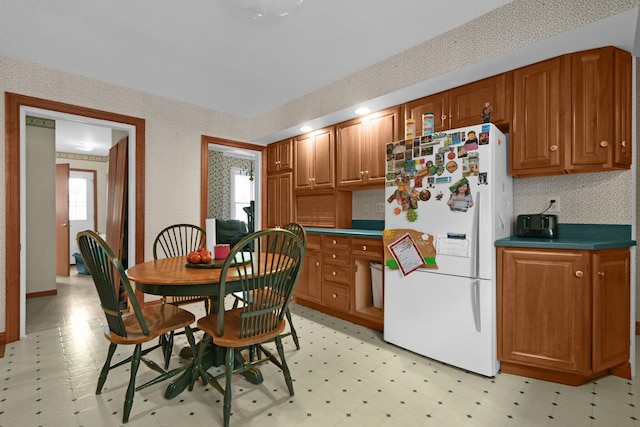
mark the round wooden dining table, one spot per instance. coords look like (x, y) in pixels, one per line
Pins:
(172, 277)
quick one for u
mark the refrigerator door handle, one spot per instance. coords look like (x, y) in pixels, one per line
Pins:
(476, 238)
(475, 304)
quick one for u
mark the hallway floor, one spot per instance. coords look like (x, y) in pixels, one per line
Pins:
(344, 375)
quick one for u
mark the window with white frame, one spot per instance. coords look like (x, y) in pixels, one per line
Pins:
(242, 193)
(77, 199)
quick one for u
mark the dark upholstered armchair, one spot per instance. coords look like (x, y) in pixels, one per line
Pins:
(230, 231)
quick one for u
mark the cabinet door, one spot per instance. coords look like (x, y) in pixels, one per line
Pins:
(304, 152)
(437, 104)
(280, 156)
(323, 163)
(314, 154)
(540, 127)
(592, 105)
(622, 143)
(350, 157)
(468, 101)
(382, 128)
(611, 308)
(544, 308)
(279, 199)
(309, 284)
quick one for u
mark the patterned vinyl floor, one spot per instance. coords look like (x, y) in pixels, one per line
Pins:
(344, 375)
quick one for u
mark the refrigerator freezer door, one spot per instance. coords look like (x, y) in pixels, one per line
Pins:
(447, 318)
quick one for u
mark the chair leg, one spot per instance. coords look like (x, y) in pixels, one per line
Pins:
(294, 335)
(285, 368)
(229, 361)
(106, 367)
(128, 401)
(167, 349)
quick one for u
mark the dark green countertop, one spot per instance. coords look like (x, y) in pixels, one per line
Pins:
(351, 232)
(577, 236)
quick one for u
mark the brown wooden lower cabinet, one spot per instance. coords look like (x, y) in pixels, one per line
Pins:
(336, 278)
(564, 315)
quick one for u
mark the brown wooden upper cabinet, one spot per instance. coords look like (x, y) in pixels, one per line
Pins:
(360, 152)
(314, 160)
(572, 114)
(279, 199)
(280, 156)
(462, 106)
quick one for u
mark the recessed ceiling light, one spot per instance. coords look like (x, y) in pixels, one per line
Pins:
(267, 10)
(83, 146)
(362, 110)
(306, 128)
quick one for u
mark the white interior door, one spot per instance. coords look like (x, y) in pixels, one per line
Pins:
(81, 206)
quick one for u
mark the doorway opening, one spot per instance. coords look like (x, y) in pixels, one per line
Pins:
(16, 109)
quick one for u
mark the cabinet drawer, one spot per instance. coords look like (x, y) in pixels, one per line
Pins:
(335, 242)
(336, 256)
(336, 296)
(336, 273)
(314, 242)
(367, 247)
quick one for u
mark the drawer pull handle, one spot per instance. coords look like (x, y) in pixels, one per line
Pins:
(604, 144)
(364, 247)
(579, 273)
(334, 295)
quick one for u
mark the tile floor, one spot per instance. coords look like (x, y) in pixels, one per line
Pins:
(345, 375)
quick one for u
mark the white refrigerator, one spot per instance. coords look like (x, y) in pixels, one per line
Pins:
(448, 198)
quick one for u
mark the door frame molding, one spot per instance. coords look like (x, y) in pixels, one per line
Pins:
(13, 103)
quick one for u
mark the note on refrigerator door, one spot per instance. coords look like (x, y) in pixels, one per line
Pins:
(452, 244)
(406, 253)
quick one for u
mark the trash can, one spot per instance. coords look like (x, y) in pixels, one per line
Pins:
(376, 283)
(82, 269)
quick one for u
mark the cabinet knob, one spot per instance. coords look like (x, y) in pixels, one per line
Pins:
(553, 148)
(364, 247)
(310, 180)
(334, 295)
(579, 273)
(443, 117)
(333, 273)
(623, 144)
(317, 263)
(601, 273)
(366, 172)
(333, 256)
(334, 241)
(604, 144)
(361, 173)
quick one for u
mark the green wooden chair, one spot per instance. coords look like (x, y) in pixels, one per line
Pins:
(301, 233)
(269, 274)
(144, 325)
(178, 240)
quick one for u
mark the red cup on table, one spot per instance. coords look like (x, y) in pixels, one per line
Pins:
(221, 251)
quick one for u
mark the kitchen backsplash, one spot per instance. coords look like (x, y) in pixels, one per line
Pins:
(368, 204)
(587, 198)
